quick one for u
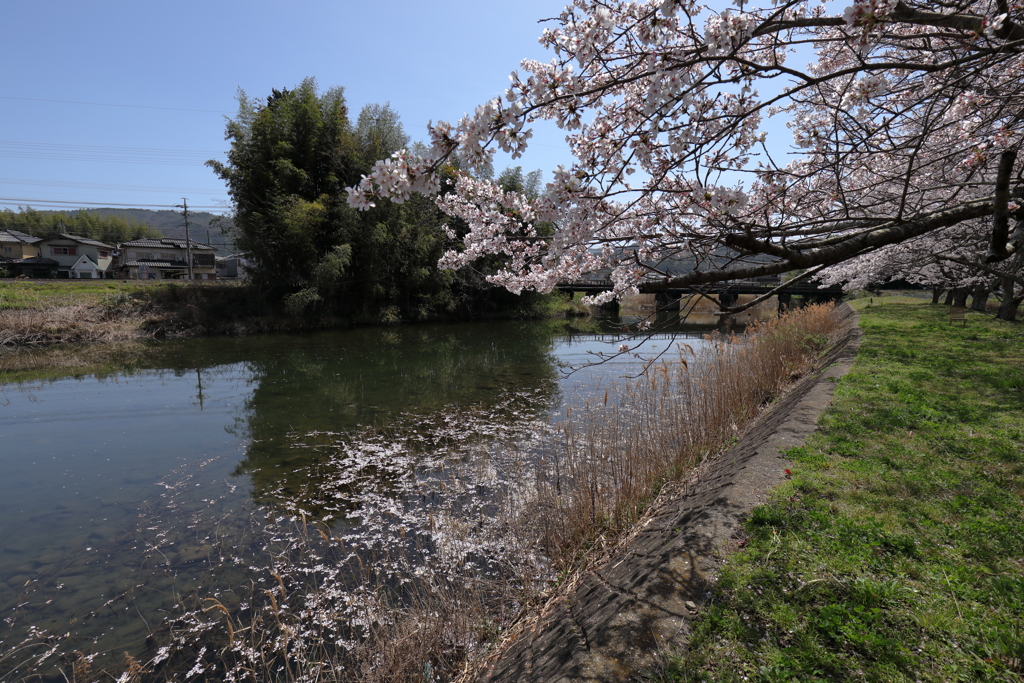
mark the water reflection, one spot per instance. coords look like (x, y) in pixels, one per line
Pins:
(307, 394)
(118, 485)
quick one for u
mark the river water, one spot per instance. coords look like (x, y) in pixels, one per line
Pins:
(111, 480)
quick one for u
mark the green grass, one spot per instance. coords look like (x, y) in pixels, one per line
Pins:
(896, 552)
(17, 294)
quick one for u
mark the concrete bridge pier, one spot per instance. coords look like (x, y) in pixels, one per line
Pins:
(666, 301)
(727, 298)
(785, 302)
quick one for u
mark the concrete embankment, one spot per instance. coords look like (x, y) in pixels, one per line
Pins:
(615, 620)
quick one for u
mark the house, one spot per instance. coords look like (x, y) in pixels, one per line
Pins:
(15, 245)
(166, 259)
(233, 266)
(71, 256)
(35, 267)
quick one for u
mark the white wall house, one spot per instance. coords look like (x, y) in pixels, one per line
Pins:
(66, 251)
(85, 269)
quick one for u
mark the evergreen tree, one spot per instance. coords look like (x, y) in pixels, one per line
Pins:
(109, 229)
(289, 162)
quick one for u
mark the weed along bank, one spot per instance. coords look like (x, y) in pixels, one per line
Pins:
(359, 505)
(894, 550)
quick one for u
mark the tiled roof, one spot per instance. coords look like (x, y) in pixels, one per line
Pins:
(166, 242)
(80, 240)
(36, 261)
(177, 265)
(17, 236)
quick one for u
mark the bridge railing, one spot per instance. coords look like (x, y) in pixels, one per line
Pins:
(761, 285)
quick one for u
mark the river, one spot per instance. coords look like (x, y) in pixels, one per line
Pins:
(119, 485)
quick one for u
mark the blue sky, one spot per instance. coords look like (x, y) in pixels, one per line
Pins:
(172, 71)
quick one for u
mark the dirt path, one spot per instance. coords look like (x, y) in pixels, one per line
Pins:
(614, 622)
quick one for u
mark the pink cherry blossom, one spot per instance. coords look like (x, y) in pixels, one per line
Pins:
(904, 131)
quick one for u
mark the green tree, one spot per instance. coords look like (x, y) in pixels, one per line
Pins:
(380, 132)
(512, 179)
(105, 228)
(289, 161)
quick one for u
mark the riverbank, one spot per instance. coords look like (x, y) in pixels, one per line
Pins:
(477, 475)
(895, 552)
(35, 313)
(477, 507)
(610, 622)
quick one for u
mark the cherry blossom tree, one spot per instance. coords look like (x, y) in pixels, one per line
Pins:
(952, 259)
(905, 124)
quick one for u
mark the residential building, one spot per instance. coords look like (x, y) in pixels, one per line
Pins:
(73, 256)
(166, 259)
(17, 245)
(37, 267)
(233, 266)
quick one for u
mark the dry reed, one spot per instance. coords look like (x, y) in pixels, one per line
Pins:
(68, 323)
(616, 453)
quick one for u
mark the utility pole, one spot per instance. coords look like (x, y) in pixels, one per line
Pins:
(188, 241)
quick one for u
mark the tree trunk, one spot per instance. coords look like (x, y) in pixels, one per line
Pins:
(960, 296)
(979, 298)
(949, 297)
(1010, 304)
(936, 293)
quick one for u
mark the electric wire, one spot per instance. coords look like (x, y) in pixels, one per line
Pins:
(67, 204)
(93, 153)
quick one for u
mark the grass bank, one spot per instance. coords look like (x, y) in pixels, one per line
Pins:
(896, 553)
(38, 313)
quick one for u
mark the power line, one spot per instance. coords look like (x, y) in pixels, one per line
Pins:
(107, 104)
(86, 148)
(48, 202)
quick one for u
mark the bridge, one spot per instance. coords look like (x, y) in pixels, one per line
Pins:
(727, 292)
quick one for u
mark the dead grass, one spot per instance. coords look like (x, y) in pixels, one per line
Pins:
(49, 314)
(69, 323)
(613, 458)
